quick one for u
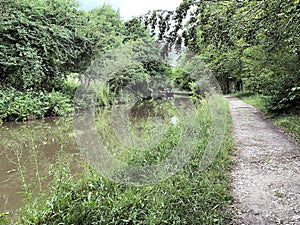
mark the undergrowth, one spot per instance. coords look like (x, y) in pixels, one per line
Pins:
(191, 196)
(20, 106)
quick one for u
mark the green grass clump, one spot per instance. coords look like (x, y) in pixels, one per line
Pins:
(4, 218)
(290, 123)
(191, 196)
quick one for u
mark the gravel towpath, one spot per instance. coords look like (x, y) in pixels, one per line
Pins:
(266, 171)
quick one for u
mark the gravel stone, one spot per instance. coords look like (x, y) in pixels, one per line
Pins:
(266, 171)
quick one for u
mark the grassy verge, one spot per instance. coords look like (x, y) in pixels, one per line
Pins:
(191, 196)
(254, 100)
(290, 123)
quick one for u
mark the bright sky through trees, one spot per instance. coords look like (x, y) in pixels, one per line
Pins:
(129, 8)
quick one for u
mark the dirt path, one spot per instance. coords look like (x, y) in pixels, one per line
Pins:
(266, 173)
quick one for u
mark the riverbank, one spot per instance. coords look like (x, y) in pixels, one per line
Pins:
(191, 196)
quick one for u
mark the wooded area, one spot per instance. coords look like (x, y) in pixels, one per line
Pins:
(43, 43)
(250, 45)
(49, 48)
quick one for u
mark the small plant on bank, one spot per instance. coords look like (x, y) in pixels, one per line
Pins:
(19, 106)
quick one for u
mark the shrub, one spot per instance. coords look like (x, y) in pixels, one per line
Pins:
(40, 43)
(17, 105)
(285, 100)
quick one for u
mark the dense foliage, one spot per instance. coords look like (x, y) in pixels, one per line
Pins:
(39, 43)
(43, 42)
(252, 45)
(16, 105)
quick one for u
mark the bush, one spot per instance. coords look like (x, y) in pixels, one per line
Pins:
(17, 105)
(285, 100)
(40, 43)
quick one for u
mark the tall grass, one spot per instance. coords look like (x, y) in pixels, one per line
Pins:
(191, 196)
(290, 123)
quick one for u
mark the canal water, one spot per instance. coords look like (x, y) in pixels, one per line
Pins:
(27, 150)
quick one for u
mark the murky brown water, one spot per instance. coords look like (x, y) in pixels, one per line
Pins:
(30, 148)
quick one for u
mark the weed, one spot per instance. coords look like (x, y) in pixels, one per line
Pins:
(191, 196)
(4, 218)
(279, 194)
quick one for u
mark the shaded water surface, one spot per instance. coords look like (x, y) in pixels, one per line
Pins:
(30, 148)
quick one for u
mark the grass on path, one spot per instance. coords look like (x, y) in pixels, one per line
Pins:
(290, 123)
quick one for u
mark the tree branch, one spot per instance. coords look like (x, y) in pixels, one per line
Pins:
(284, 29)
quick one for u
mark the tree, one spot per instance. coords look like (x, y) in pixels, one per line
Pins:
(251, 43)
(39, 43)
(135, 30)
(104, 29)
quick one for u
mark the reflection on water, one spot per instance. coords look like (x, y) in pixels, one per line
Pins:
(30, 147)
